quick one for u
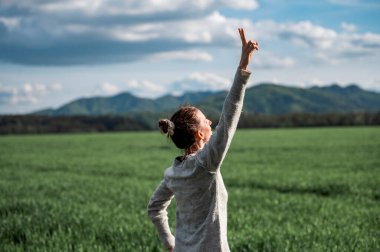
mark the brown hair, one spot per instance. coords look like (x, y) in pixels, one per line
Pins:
(181, 127)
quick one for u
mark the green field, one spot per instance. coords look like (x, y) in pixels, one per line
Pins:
(289, 190)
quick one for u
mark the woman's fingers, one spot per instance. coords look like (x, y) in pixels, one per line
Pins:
(247, 49)
(252, 45)
(242, 36)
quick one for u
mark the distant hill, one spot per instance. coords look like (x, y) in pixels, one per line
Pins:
(124, 104)
(266, 105)
(277, 100)
(266, 98)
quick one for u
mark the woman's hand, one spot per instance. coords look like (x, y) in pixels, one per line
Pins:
(246, 49)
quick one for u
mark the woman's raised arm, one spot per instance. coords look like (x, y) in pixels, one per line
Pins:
(213, 153)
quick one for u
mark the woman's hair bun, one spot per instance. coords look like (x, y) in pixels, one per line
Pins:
(166, 126)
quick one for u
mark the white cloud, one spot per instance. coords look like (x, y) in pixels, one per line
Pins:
(307, 34)
(242, 4)
(371, 84)
(139, 7)
(193, 55)
(366, 84)
(10, 23)
(145, 88)
(6, 94)
(316, 82)
(56, 86)
(86, 6)
(322, 43)
(27, 88)
(106, 88)
(99, 32)
(200, 81)
(348, 27)
(197, 81)
(267, 60)
(108, 31)
(219, 30)
(143, 32)
(28, 93)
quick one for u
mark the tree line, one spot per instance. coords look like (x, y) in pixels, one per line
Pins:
(51, 124)
(32, 124)
(309, 120)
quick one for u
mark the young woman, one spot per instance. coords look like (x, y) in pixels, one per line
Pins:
(194, 179)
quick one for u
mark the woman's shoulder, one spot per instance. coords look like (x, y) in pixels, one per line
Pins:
(183, 167)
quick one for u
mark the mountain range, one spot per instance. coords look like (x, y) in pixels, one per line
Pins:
(265, 98)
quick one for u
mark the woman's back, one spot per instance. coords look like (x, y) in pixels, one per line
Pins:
(201, 200)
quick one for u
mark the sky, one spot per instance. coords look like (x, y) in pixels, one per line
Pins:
(56, 51)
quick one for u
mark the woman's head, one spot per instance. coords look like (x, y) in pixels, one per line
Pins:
(187, 126)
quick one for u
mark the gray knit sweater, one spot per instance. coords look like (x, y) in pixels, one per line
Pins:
(197, 185)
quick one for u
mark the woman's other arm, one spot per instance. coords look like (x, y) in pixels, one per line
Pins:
(157, 213)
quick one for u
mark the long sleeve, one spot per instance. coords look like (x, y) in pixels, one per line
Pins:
(213, 153)
(157, 213)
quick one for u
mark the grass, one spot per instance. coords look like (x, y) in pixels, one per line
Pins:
(313, 189)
